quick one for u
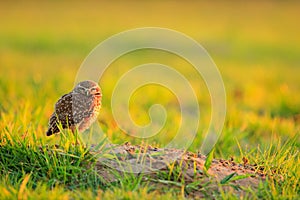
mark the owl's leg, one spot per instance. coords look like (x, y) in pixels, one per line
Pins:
(84, 124)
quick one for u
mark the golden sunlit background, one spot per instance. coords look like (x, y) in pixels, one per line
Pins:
(255, 45)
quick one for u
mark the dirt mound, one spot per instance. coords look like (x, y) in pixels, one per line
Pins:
(176, 168)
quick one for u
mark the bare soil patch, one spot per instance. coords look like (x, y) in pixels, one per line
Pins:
(174, 168)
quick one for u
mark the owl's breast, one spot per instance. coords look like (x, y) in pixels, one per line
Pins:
(91, 113)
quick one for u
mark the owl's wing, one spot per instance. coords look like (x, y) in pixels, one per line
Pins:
(62, 114)
(63, 110)
(71, 109)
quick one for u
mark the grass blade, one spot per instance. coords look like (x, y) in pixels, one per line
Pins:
(227, 178)
(239, 177)
(23, 187)
(208, 160)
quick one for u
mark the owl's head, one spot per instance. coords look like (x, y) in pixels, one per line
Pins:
(88, 88)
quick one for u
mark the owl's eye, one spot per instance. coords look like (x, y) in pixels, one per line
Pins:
(80, 90)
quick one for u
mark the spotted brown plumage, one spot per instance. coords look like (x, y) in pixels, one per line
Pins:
(77, 109)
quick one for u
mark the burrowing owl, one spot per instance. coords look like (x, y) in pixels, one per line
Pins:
(77, 109)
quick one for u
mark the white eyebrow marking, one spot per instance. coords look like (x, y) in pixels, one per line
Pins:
(79, 86)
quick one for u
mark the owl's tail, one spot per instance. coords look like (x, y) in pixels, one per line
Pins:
(49, 132)
(52, 129)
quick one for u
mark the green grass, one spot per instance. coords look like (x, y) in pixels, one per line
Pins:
(255, 46)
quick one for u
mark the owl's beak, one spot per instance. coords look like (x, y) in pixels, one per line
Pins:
(94, 93)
